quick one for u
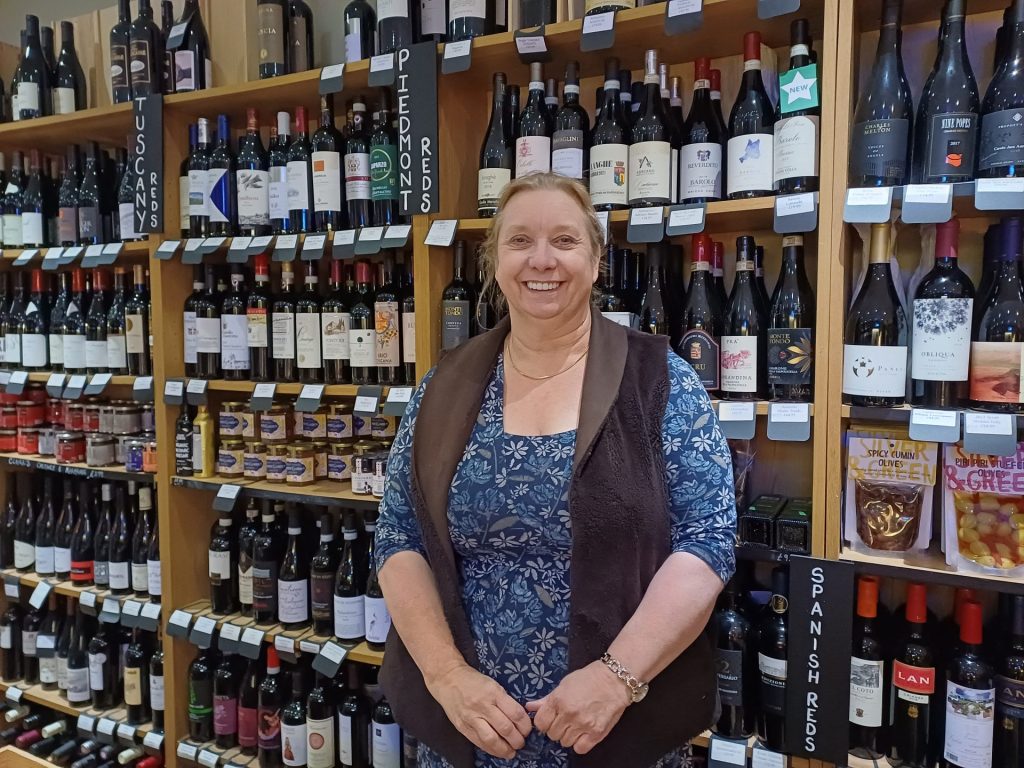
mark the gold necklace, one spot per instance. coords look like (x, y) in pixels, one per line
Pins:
(508, 353)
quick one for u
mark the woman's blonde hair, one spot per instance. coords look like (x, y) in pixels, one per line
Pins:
(535, 182)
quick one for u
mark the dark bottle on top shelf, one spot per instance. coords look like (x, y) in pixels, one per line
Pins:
(33, 83)
(700, 156)
(257, 310)
(1001, 147)
(394, 25)
(570, 140)
(496, 153)
(273, 37)
(650, 154)
(533, 13)
(145, 53)
(1009, 731)
(193, 70)
(120, 40)
(609, 150)
(300, 37)
(198, 182)
(357, 168)
(47, 44)
(67, 201)
(327, 145)
(968, 735)
(745, 332)
(166, 24)
(360, 27)
(735, 661)
(771, 655)
(282, 323)
(868, 703)
(252, 180)
(946, 131)
(791, 320)
(795, 161)
(751, 125)
(69, 93)
(33, 215)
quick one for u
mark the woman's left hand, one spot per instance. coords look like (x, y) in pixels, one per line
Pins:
(583, 709)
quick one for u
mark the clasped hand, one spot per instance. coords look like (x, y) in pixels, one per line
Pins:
(578, 714)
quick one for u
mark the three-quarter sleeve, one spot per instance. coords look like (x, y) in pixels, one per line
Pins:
(698, 472)
(398, 530)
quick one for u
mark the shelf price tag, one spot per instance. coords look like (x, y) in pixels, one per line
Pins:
(646, 225)
(153, 740)
(382, 70)
(737, 419)
(12, 586)
(935, 425)
(187, 751)
(343, 244)
(167, 249)
(74, 388)
(368, 242)
(285, 247)
(130, 610)
(396, 236)
(26, 256)
(195, 392)
(685, 220)
(725, 753)
(179, 623)
(251, 643)
(313, 247)
(260, 245)
(142, 389)
(213, 244)
(789, 422)
(441, 232)
(868, 205)
(52, 258)
(927, 203)
(16, 383)
(397, 400)
(226, 497)
(174, 391)
(208, 758)
(285, 647)
(263, 396)
(999, 194)
(308, 646)
(796, 213)
(227, 642)
(202, 632)
(332, 79)
(458, 57)
(126, 732)
(193, 253)
(329, 660)
(238, 252)
(993, 434)
(87, 602)
(309, 398)
(149, 617)
(105, 728)
(46, 646)
(761, 757)
(55, 385)
(39, 595)
(367, 401)
(531, 45)
(602, 219)
(110, 612)
(598, 32)
(683, 16)
(97, 384)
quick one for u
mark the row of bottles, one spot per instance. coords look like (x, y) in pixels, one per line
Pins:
(52, 737)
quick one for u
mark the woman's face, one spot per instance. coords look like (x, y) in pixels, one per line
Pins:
(545, 266)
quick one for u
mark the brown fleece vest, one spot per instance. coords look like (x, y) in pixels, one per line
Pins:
(618, 505)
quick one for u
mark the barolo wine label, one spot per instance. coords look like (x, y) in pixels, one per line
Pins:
(392, 9)
(383, 172)
(533, 155)
(357, 176)
(1002, 139)
(307, 338)
(256, 327)
(489, 184)
(292, 601)
(278, 192)
(298, 185)
(739, 363)
(408, 337)
(567, 153)
(796, 147)
(701, 351)
(874, 371)
(197, 192)
(790, 356)
(219, 199)
(950, 145)
(326, 181)
(320, 742)
(773, 683)
(467, 9)
(126, 217)
(282, 329)
(253, 197)
(334, 335)
(750, 163)
(942, 339)
(729, 667)
(700, 171)
(388, 345)
(608, 174)
(454, 323)
(996, 368)
(362, 347)
(970, 721)
(866, 692)
(650, 171)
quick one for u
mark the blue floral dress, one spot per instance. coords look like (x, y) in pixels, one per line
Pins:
(509, 518)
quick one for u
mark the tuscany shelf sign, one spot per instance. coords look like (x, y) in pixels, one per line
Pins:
(148, 156)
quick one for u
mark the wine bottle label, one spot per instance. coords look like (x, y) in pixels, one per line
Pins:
(28, 642)
(96, 662)
(32, 228)
(357, 176)
(408, 337)
(567, 153)
(334, 335)
(28, 97)
(362, 347)
(345, 739)
(256, 327)
(33, 350)
(533, 155)
(293, 744)
(950, 145)
(970, 721)
(126, 217)
(82, 571)
(153, 573)
(208, 335)
(701, 351)
(388, 344)
(387, 745)
(48, 670)
(489, 184)
(191, 336)
(321, 593)
(62, 673)
(271, 33)
(455, 320)
(133, 686)
(729, 667)
(790, 356)
(184, 71)
(253, 197)
(1002, 139)
(61, 560)
(220, 567)
(796, 147)
(283, 335)
(320, 742)
(278, 195)
(12, 230)
(326, 181)
(298, 185)
(750, 163)
(467, 9)
(392, 9)
(7, 637)
(674, 181)
(773, 684)
(298, 33)
(96, 353)
(67, 225)
(354, 40)
(245, 582)
(248, 728)
(198, 192)
(307, 338)
(942, 339)
(432, 17)
(117, 351)
(12, 348)
(78, 685)
(349, 617)
(156, 693)
(140, 577)
(101, 572)
(1010, 695)
(135, 336)
(383, 172)
(378, 620)
(913, 684)
(995, 371)
(225, 715)
(873, 371)
(119, 575)
(139, 62)
(608, 177)
(292, 601)
(218, 201)
(866, 692)
(700, 171)
(234, 342)
(184, 210)
(200, 700)
(650, 176)
(44, 560)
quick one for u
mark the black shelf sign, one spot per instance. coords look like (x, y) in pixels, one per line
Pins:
(417, 129)
(149, 164)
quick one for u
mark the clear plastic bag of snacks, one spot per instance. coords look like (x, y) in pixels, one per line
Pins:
(983, 511)
(889, 482)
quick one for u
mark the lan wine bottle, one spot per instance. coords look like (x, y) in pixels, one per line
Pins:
(913, 686)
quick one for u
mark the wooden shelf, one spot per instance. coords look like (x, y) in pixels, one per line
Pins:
(285, 388)
(869, 12)
(70, 589)
(929, 567)
(53, 699)
(233, 756)
(325, 493)
(41, 377)
(83, 471)
(134, 250)
(109, 126)
(12, 757)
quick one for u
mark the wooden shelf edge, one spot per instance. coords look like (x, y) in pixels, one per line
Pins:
(69, 589)
(41, 377)
(929, 567)
(75, 470)
(285, 388)
(321, 493)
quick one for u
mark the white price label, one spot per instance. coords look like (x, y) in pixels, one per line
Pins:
(314, 243)
(100, 381)
(178, 31)
(196, 386)
(933, 418)
(143, 384)
(344, 237)
(931, 194)
(174, 388)
(988, 423)
(106, 726)
(87, 598)
(789, 413)
(765, 758)
(229, 492)
(458, 50)
(729, 752)
(151, 611)
(308, 646)
(14, 694)
(284, 644)
(398, 232)
(187, 751)
(684, 7)
(686, 217)
(790, 205)
(999, 185)
(382, 62)
(600, 22)
(94, 250)
(208, 758)
(73, 253)
(55, 380)
(365, 404)
(131, 608)
(639, 217)
(180, 619)
(153, 740)
(46, 642)
(231, 632)
(19, 377)
(214, 242)
(252, 636)
(76, 382)
(12, 589)
(371, 234)
(400, 394)
(728, 411)
(442, 232)
(205, 625)
(111, 606)
(261, 243)
(39, 595)
(125, 731)
(86, 723)
(602, 219)
(112, 249)
(265, 390)
(169, 247)
(332, 71)
(290, 242)
(193, 244)
(311, 392)
(334, 652)
(240, 244)
(531, 44)
(868, 196)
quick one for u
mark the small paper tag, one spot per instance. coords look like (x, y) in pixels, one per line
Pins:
(111, 606)
(169, 247)
(208, 759)
(382, 62)
(308, 646)
(371, 234)
(790, 413)
(153, 740)
(288, 241)
(332, 71)
(174, 388)
(999, 185)
(741, 411)
(87, 598)
(106, 726)
(399, 394)
(229, 492)
(205, 625)
(260, 244)
(213, 243)
(264, 390)
(934, 418)
(46, 642)
(442, 231)
(131, 608)
(683, 7)
(531, 44)
(311, 392)
(196, 386)
(930, 194)
(14, 694)
(180, 619)
(284, 644)
(39, 595)
(988, 423)
(728, 752)
(790, 205)
(126, 731)
(686, 217)
(639, 217)
(187, 751)
(457, 50)
(365, 404)
(868, 196)
(240, 243)
(798, 89)
(230, 632)
(314, 243)
(765, 758)
(252, 636)
(193, 244)
(333, 652)
(600, 22)
(151, 610)
(87, 723)
(12, 588)
(397, 232)
(344, 237)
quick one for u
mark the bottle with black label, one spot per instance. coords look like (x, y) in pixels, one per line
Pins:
(120, 37)
(772, 646)
(145, 53)
(791, 320)
(458, 302)
(322, 570)
(701, 319)
(362, 332)
(1001, 150)
(734, 665)
(33, 82)
(300, 37)
(272, 37)
(266, 555)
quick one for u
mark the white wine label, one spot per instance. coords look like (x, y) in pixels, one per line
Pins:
(32, 228)
(307, 339)
(387, 745)
(293, 744)
(12, 348)
(750, 163)
(292, 601)
(388, 350)
(357, 176)
(63, 101)
(353, 43)
(996, 368)
(220, 565)
(941, 339)
(44, 560)
(184, 211)
(739, 363)
(362, 347)
(796, 147)
(533, 155)
(349, 617)
(140, 577)
(408, 337)
(873, 371)
(461, 9)
(134, 331)
(156, 692)
(96, 662)
(608, 174)
(700, 171)
(245, 584)
(334, 335)
(866, 692)
(61, 560)
(320, 743)
(191, 334)
(24, 554)
(153, 572)
(392, 9)
(256, 328)
(489, 184)
(326, 181)
(378, 620)
(432, 17)
(970, 721)
(120, 578)
(650, 172)
(298, 185)
(208, 335)
(567, 153)
(253, 197)
(78, 685)
(117, 351)
(345, 739)
(282, 329)
(198, 189)
(126, 217)
(278, 193)
(28, 96)
(33, 350)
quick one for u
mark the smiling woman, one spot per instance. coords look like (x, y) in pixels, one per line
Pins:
(594, 453)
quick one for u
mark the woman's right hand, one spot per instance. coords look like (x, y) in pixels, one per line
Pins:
(481, 710)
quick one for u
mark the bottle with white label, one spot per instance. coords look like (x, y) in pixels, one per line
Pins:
(571, 137)
(46, 526)
(33, 214)
(223, 556)
(533, 144)
(795, 162)
(69, 93)
(280, 139)
(282, 327)
(496, 158)
(293, 580)
(745, 333)
(349, 608)
(388, 343)
(190, 332)
(234, 330)
(751, 129)
(360, 22)
(320, 724)
(308, 350)
(378, 620)
(117, 341)
(362, 333)
(208, 343)
(869, 706)
(327, 145)
(358, 191)
(34, 326)
(334, 324)
(198, 182)
(252, 180)
(700, 156)
(970, 698)
(126, 192)
(386, 740)
(293, 721)
(875, 340)
(650, 153)
(300, 177)
(773, 666)
(609, 151)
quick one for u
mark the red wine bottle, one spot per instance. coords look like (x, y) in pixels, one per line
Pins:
(751, 126)
(796, 132)
(700, 157)
(650, 153)
(791, 316)
(734, 666)
(772, 646)
(533, 138)
(1009, 731)
(868, 703)
(970, 697)
(745, 332)
(271, 697)
(701, 319)
(496, 161)
(1001, 149)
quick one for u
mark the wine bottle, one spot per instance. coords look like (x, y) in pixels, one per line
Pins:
(386, 741)
(470, 18)
(496, 161)
(234, 329)
(300, 37)
(82, 545)
(293, 580)
(571, 136)
(913, 686)
(378, 620)
(357, 168)
(1009, 738)
(34, 326)
(198, 182)
(321, 579)
(394, 25)
(119, 559)
(791, 328)
(868, 704)
(193, 70)
(309, 353)
(126, 200)
(734, 666)
(117, 349)
(512, 110)
(46, 523)
(153, 570)
(136, 679)
(67, 201)
(101, 538)
(137, 330)
(388, 325)
(226, 681)
(69, 84)
(362, 330)
(64, 643)
(349, 609)
(166, 25)
(12, 322)
(384, 166)
(650, 154)
(10, 643)
(745, 332)
(103, 663)
(875, 340)
(457, 302)
(79, 692)
(701, 319)
(63, 534)
(220, 178)
(200, 694)
(248, 707)
(223, 562)
(320, 725)
(360, 31)
(326, 146)
(252, 180)
(120, 39)
(533, 139)
(190, 333)
(970, 696)
(354, 714)
(772, 644)
(280, 215)
(273, 38)
(33, 83)
(300, 181)
(795, 143)
(146, 53)
(609, 151)
(271, 696)
(653, 312)
(256, 307)
(12, 235)
(33, 217)
(700, 157)
(1001, 145)
(207, 307)
(293, 722)
(141, 536)
(946, 129)
(264, 571)
(751, 125)
(282, 323)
